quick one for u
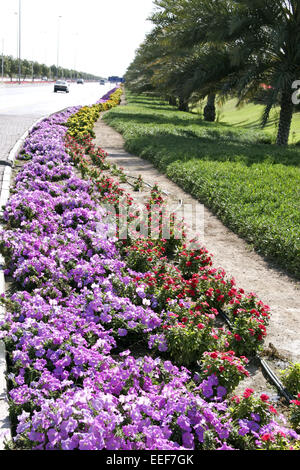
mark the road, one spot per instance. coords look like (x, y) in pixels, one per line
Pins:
(40, 100)
(22, 105)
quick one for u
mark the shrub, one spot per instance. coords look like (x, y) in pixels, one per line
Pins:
(291, 378)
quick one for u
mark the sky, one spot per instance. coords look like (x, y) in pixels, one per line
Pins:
(93, 36)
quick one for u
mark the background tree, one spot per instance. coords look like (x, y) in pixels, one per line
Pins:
(53, 71)
(202, 48)
(26, 68)
(36, 70)
(11, 67)
(45, 71)
(267, 35)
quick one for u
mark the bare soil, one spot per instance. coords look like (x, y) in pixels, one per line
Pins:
(250, 271)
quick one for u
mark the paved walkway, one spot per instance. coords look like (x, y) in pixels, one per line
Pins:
(11, 130)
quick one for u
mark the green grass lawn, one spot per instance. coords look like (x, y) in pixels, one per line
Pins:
(250, 184)
(249, 117)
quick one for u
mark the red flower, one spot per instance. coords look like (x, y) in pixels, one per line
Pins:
(214, 355)
(264, 397)
(266, 437)
(296, 402)
(273, 410)
(200, 326)
(237, 337)
(236, 399)
(248, 392)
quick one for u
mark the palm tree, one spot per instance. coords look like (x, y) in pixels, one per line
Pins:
(140, 72)
(212, 76)
(266, 37)
(187, 26)
(160, 68)
(263, 37)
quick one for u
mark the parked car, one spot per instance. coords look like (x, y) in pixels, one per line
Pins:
(45, 79)
(80, 80)
(102, 82)
(61, 85)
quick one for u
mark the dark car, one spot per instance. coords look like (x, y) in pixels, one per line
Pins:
(61, 85)
(102, 82)
(80, 81)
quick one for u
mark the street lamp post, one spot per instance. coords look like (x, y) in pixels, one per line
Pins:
(19, 42)
(75, 52)
(58, 34)
(2, 65)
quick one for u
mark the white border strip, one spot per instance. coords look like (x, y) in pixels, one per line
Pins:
(5, 425)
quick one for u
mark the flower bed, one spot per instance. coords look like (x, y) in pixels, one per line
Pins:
(187, 291)
(90, 339)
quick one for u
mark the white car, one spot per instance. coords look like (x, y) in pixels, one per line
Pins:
(61, 85)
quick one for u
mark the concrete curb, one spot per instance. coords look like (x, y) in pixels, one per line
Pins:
(5, 426)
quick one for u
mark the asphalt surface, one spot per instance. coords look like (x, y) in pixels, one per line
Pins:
(40, 99)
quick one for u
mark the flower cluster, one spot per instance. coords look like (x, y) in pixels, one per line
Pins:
(229, 368)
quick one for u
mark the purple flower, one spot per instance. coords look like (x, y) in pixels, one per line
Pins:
(188, 440)
(255, 417)
(184, 423)
(207, 391)
(122, 332)
(53, 436)
(221, 391)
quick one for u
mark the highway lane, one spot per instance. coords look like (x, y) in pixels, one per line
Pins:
(40, 100)
(22, 105)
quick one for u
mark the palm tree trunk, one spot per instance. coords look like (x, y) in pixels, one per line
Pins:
(286, 114)
(209, 111)
(183, 104)
(172, 100)
(266, 114)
